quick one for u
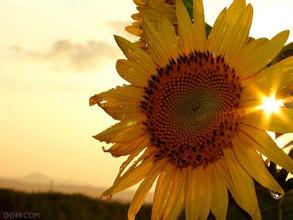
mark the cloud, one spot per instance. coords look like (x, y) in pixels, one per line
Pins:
(117, 26)
(80, 57)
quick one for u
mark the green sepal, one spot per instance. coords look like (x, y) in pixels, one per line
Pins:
(208, 29)
(189, 6)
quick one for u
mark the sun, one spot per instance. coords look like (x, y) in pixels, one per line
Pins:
(271, 105)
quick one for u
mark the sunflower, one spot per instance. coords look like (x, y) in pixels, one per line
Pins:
(191, 117)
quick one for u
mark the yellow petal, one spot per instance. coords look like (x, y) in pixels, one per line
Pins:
(131, 177)
(168, 34)
(198, 193)
(175, 190)
(133, 73)
(137, 17)
(139, 2)
(251, 161)
(226, 176)
(144, 188)
(186, 38)
(235, 13)
(280, 121)
(245, 194)
(219, 193)
(162, 192)
(223, 172)
(265, 145)
(276, 77)
(178, 205)
(155, 9)
(218, 46)
(136, 54)
(199, 27)
(121, 132)
(122, 149)
(134, 154)
(121, 103)
(205, 193)
(122, 93)
(157, 45)
(134, 29)
(275, 80)
(191, 193)
(237, 37)
(259, 58)
(214, 36)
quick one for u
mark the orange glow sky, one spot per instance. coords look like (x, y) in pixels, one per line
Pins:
(54, 55)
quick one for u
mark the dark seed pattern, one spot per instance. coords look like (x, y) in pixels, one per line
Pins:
(191, 107)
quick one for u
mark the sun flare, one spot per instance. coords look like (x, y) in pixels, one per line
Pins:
(271, 105)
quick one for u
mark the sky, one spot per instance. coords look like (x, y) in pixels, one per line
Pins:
(54, 55)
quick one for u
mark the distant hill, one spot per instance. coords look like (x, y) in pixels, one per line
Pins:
(42, 183)
(36, 178)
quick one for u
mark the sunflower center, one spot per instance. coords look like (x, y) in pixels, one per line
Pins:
(191, 108)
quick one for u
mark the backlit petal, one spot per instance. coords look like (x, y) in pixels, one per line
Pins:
(175, 192)
(265, 145)
(168, 34)
(130, 178)
(162, 191)
(237, 37)
(157, 45)
(121, 132)
(205, 193)
(186, 38)
(191, 194)
(225, 28)
(280, 121)
(136, 54)
(144, 188)
(122, 149)
(219, 193)
(199, 27)
(133, 73)
(254, 62)
(216, 32)
(251, 161)
(245, 196)
(121, 103)
(275, 78)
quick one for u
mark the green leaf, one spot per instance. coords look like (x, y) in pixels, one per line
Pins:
(286, 206)
(189, 5)
(268, 205)
(271, 209)
(208, 29)
(286, 52)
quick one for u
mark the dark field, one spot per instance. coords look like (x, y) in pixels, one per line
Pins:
(57, 206)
